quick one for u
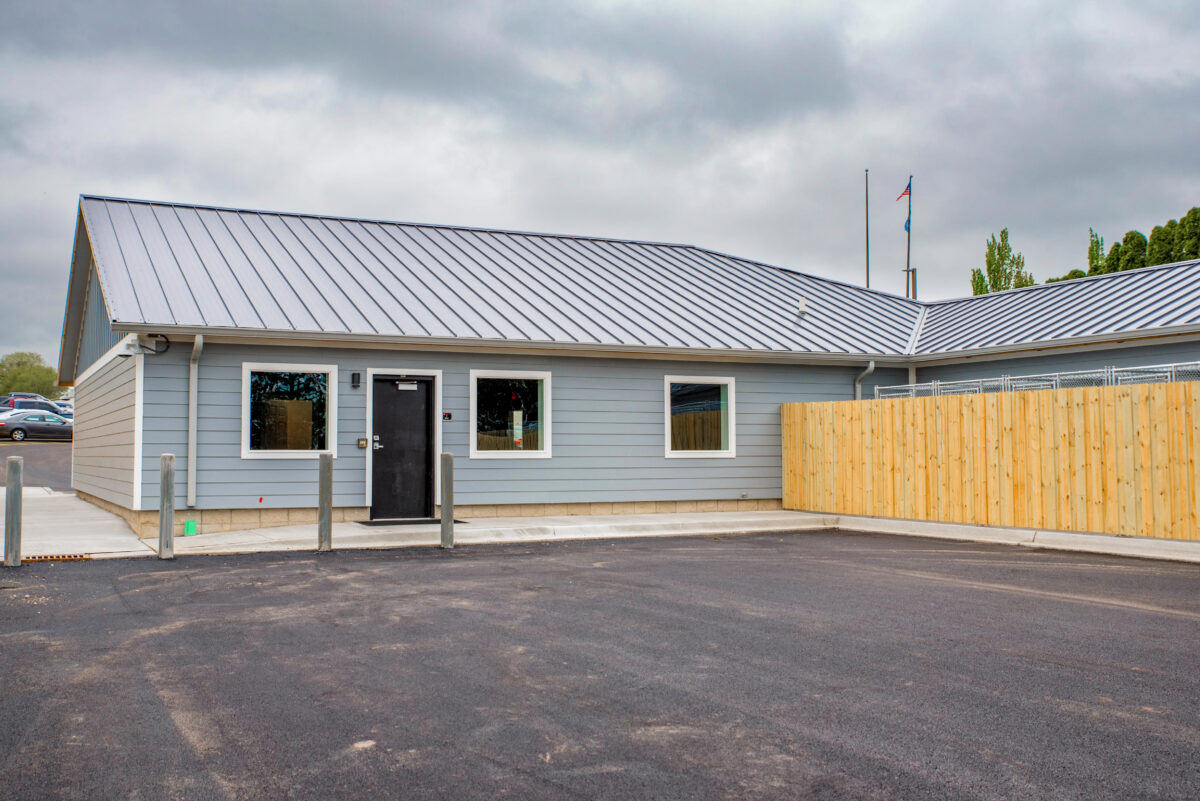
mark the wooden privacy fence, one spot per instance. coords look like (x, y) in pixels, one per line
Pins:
(1113, 460)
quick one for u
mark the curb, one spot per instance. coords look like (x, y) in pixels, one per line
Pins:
(1103, 544)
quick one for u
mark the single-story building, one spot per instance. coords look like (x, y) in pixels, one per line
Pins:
(566, 374)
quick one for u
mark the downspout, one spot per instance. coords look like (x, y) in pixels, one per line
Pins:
(193, 392)
(858, 381)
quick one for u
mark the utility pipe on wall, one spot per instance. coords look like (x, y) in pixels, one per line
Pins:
(858, 381)
(193, 391)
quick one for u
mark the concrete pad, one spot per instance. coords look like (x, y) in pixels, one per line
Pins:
(60, 523)
(506, 529)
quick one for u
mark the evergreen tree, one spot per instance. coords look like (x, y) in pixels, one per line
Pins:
(1003, 269)
(1095, 253)
(1133, 251)
(1112, 262)
(1071, 276)
(1161, 248)
(1187, 239)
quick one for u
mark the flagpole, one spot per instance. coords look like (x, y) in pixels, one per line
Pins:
(910, 280)
(867, 220)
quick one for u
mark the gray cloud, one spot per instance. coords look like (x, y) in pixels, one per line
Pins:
(743, 128)
(481, 54)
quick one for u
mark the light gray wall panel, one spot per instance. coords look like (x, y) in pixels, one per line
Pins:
(1059, 362)
(102, 456)
(96, 334)
(607, 423)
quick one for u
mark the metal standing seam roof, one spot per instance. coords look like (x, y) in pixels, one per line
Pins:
(1119, 304)
(172, 265)
(169, 265)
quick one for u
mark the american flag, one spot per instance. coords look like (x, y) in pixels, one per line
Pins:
(907, 190)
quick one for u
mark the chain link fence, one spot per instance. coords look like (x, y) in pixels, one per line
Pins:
(1103, 377)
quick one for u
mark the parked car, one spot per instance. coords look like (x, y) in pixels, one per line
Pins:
(36, 425)
(31, 404)
(10, 397)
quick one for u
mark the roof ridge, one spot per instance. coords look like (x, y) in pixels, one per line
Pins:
(377, 221)
(514, 232)
(910, 349)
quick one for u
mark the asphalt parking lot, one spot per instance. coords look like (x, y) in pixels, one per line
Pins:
(47, 464)
(755, 667)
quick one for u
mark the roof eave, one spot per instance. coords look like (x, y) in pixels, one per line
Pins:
(1114, 339)
(299, 338)
(68, 348)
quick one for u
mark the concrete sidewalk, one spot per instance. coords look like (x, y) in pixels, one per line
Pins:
(59, 523)
(481, 531)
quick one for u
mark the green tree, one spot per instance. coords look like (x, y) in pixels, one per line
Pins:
(28, 372)
(1133, 251)
(1161, 248)
(1003, 269)
(1071, 276)
(1112, 262)
(1095, 253)
(1187, 239)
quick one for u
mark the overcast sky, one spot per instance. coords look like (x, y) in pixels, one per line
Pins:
(744, 127)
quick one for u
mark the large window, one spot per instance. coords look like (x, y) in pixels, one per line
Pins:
(288, 410)
(510, 415)
(699, 417)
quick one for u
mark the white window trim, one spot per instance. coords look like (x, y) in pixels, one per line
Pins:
(668, 380)
(544, 453)
(437, 424)
(331, 409)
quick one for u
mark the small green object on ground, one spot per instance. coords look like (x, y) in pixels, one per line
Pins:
(189, 528)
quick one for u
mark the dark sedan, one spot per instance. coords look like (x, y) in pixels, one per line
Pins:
(35, 425)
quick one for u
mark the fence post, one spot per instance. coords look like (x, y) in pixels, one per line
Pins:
(166, 507)
(325, 504)
(12, 512)
(447, 501)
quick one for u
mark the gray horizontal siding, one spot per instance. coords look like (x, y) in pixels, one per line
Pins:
(96, 336)
(102, 459)
(1162, 353)
(607, 423)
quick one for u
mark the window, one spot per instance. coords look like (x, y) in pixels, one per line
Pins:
(510, 415)
(700, 417)
(288, 410)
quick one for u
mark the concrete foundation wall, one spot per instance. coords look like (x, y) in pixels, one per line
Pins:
(212, 521)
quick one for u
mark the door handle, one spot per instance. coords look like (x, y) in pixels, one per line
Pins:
(378, 447)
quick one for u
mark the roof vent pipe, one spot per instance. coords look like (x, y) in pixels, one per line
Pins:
(801, 307)
(858, 381)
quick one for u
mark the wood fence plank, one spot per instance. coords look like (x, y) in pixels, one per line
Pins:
(1144, 478)
(1078, 461)
(1192, 404)
(1161, 520)
(994, 473)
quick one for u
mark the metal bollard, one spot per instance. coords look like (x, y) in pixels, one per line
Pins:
(166, 507)
(12, 513)
(447, 501)
(325, 504)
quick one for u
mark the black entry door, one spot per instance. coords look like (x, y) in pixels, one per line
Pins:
(401, 447)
